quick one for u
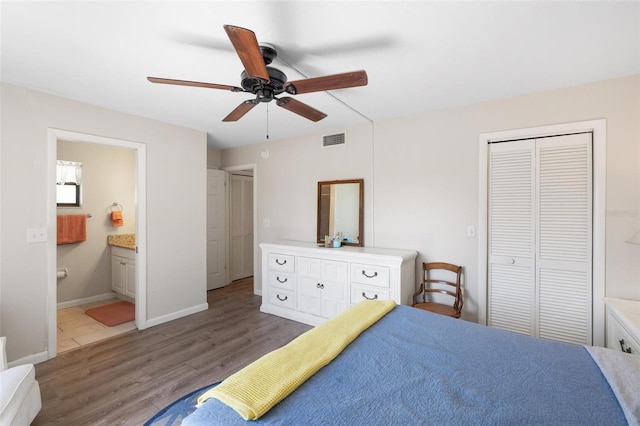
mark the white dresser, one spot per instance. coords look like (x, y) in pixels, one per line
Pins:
(309, 284)
(623, 325)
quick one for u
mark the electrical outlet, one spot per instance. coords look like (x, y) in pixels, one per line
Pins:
(266, 223)
(36, 235)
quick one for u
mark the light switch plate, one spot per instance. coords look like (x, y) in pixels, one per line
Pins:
(36, 235)
(471, 231)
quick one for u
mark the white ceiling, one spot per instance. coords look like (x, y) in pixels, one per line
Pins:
(419, 55)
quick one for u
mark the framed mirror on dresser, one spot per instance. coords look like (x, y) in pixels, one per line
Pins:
(341, 211)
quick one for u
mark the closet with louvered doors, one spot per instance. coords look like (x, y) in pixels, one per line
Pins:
(540, 237)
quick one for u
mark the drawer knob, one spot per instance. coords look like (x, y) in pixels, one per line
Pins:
(369, 298)
(281, 281)
(281, 263)
(281, 299)
(319, 285)
(375, 274)
(627, 350)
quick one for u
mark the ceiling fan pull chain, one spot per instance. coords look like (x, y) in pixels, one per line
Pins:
(267, 121)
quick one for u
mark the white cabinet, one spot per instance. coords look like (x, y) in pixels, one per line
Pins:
(310, 284)
(322, 286)
(623, 325)
(123, 271)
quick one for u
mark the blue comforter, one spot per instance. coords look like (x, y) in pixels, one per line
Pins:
(413, 367)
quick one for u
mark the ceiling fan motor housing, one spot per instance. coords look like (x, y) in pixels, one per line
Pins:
(265, 92)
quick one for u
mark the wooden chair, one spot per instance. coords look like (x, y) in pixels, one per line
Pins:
(420, 300)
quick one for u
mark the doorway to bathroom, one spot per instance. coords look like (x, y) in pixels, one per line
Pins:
(106, 271)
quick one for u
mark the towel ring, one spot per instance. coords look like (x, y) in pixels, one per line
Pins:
(111, 209)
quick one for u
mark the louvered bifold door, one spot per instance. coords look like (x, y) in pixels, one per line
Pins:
(564, 240)
(511, 238)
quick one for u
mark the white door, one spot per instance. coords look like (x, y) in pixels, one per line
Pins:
(540, 237)
(511, 236)
(564, 244)
(216, 229)
(241, 241)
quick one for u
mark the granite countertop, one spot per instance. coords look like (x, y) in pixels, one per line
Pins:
(122, 240)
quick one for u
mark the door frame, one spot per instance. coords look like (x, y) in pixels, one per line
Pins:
(53, 135)
(599, 129)
(256, 249)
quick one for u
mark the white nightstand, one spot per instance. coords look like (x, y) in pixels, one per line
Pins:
(623, 325)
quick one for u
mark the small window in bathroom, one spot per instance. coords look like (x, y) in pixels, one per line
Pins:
(68, 183)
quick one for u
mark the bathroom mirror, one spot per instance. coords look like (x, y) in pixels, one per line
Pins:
(341, 210)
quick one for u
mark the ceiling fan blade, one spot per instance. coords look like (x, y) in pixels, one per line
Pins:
(300, 108)
(246, 45)
(194, 84)
(241, 110)
(329, 82)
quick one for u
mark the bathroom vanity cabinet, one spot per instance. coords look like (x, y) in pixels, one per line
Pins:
(123, 271)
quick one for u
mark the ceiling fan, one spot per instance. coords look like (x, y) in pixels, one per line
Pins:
(267, 83)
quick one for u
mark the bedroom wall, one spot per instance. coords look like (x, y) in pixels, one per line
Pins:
(176, 209)
(421, 177)
(213, 158)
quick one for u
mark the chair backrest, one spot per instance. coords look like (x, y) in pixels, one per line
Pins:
(428, 282)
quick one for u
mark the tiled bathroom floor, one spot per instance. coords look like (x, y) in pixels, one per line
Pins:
(75, 328)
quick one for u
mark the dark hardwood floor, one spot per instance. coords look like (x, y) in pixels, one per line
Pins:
(125, 380)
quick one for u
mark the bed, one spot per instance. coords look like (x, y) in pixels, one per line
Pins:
(415, 367)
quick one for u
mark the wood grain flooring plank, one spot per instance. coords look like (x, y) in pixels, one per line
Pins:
(126, 379)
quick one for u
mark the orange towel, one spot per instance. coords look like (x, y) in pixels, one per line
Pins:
(116, 219)
(71, 228)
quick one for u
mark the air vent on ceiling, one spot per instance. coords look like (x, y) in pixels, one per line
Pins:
(332, 140)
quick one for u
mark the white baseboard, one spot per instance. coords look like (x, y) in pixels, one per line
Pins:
(85, 300)
(31, 359)
(175, 315)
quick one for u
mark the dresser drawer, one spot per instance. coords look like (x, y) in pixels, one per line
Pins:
(282, 280)
(370, 275)
(360, 293)
(281, 262)
(618, 338)
(284, 298)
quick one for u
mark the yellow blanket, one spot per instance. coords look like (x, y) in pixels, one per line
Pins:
(255, 389)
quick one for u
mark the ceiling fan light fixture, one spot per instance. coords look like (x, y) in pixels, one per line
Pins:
(264, 94)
